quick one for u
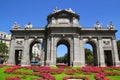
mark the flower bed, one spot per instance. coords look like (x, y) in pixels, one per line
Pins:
(1, 66)
(102, 75)
(48, 73)
(13, 78)
(70, 71)
(75, 77)
(61, 65)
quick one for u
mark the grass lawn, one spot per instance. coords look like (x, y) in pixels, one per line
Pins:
(34, 73)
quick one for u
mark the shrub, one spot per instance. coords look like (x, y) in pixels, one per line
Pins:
(13, 78)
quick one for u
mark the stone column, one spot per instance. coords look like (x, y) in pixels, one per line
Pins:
(55, 56)
(11, 60)
(71, 51)
(52, 52)
(26, 54)
(76, 54)
(101, 53)
(48, 52)
(115, 53)
(82, 52)
(42, 56)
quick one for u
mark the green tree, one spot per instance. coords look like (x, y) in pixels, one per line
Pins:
(60, 59)
(66, 58)
(3, 48)
(89, 56)
(63, 59)
(118, 46)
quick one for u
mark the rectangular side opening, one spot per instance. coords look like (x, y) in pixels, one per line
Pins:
(108, 58)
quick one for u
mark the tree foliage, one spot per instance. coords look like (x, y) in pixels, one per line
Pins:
(89, 56)
(63, 59)
(3, 48)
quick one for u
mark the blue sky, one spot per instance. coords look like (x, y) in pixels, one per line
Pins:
(36, 12)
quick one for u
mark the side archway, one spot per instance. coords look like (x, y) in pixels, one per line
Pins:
(93, 52)
(35, 52)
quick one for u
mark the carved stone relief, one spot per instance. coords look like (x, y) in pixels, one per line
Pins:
(107, 42)
(19, 42)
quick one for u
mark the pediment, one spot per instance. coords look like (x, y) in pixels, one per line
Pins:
(63, 14)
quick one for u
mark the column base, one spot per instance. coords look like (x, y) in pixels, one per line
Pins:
(78, 63)
(50, 63)
(102, 64)
(10, 62)
(25, 63)
(42, 63)
(117, 63)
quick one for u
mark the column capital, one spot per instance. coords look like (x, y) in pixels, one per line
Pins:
(75, 36)
(113, 38)
(26, 37)
(80, 37)
(51, 36)
(99, 38)
(13, 37)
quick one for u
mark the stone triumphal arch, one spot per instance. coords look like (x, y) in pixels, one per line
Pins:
(63, 28)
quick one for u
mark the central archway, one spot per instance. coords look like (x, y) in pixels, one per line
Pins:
(66, 56)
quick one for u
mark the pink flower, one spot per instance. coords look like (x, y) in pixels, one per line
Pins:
(70, 71)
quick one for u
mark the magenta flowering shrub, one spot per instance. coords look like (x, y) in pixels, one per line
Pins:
(91, 69)
(44, 69)
(70, 71)
(47, 76)
(102, 75)
(8, 70)
(57, 71)
(36, 73)
(13, 78)
(1, 66)
(41, 72)
(14, 68)
(99, 76)
(47, 73)
(111, 73)
(48, 70)
(75, 77)
(62, 66)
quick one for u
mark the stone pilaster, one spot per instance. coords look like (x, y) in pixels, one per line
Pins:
(101, 53)
(52, 52)
(11, 60)
(48, 52)
(43, 58)
(82, 52)
(115, 53)
(26, 54)
(71, 51)
(55, 51)
(76, 61)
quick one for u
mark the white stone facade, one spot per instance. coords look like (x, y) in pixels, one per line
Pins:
(63, 28)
